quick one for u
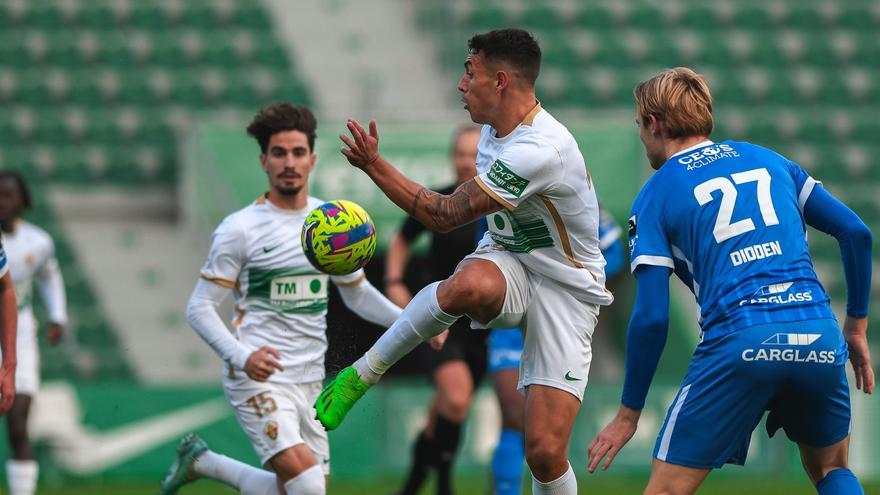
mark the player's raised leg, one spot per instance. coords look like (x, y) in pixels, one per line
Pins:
(476, 289)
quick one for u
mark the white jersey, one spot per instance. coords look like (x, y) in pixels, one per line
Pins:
(31, 255)
(551, 216)
(280, 298)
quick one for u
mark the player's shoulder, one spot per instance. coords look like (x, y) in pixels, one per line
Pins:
(34, 234)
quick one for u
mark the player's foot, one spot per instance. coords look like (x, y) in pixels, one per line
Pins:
(180, 473)
(339, 397)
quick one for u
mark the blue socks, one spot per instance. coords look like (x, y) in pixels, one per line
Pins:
(839, 482)
(507, 463)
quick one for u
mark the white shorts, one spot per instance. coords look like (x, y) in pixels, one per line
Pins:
(27, 354)
(557, 328)
(277, 416)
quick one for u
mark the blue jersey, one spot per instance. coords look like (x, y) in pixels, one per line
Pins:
(727, 218)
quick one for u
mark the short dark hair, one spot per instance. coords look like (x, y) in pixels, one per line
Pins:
(23, 190)
(280, 117)
(516, 47)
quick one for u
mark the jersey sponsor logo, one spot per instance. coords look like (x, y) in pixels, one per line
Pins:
(707, 156)
(792, 339)
(778, 294)
(756, 252)
(788, 356)
(296, 288)
(287, 291)
(631, 225)
(506, 179)
(519, 234)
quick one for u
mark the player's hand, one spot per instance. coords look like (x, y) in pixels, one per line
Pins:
(855, 331)
(7, 389)
(613, 437)
(54, 333)
(262, 363)
(438, 341)
(363, 148)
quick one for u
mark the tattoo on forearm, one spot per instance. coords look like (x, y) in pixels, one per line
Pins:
(443, 212)
(415, 203)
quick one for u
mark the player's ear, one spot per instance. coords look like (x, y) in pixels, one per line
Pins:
(263, 162)
(312, 161)
(654, 125)
(502, 81)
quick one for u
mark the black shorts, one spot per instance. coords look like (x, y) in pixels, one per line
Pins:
(464, 344)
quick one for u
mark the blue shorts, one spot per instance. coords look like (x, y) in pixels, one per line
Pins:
(505, 349)
(795, 370)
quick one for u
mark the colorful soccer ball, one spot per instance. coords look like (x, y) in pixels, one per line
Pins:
(338, 237)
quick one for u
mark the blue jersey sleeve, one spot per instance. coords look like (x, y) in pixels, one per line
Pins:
(824, 212)
(646, 336)
(648, 241)
(804, 184)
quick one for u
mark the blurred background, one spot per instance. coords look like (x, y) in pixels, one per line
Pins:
(127, 118)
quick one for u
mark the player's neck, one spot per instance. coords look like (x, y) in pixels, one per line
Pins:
(671, 147)
(294, 202)
(513, 113)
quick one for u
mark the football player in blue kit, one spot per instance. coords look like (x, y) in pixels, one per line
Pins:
(729, 219)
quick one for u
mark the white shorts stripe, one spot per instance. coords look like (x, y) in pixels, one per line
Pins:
(667, 433)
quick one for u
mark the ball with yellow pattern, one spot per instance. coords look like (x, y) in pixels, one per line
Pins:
(338, 237)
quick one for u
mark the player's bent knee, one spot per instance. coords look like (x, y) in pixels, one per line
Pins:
(545, 457)
(309, 482)
(470, 291)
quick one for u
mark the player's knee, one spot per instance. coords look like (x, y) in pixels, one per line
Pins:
(455, 408)
(545, 456)
(467, 291)
(309, 482)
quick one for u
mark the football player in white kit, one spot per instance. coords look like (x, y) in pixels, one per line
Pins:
(31, 262)
(275, 353)
(539, 267)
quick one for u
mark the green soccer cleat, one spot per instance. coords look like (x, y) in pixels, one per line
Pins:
(339, 397)
(190, 448)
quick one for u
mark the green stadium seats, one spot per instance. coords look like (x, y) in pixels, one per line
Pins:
(595, 16)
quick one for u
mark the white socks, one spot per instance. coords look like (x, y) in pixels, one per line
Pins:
(564, 485)
(22, 477)
(309, 482)
(421, 319)
(245, 478)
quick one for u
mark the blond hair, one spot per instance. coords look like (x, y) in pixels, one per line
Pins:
(679, 98)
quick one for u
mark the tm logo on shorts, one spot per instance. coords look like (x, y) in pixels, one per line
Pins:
(779, 353)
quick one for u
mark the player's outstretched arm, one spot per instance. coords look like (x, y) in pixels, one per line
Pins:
(645, 339)
(436, 211)
(366, 301)
(9, 321)
(824, 212)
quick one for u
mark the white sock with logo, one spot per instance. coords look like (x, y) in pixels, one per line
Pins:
(309, 482)
(564, 485)
(22, 476)
(245, 478)
(421, 319)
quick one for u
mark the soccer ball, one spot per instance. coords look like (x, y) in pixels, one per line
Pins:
(338, 237)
